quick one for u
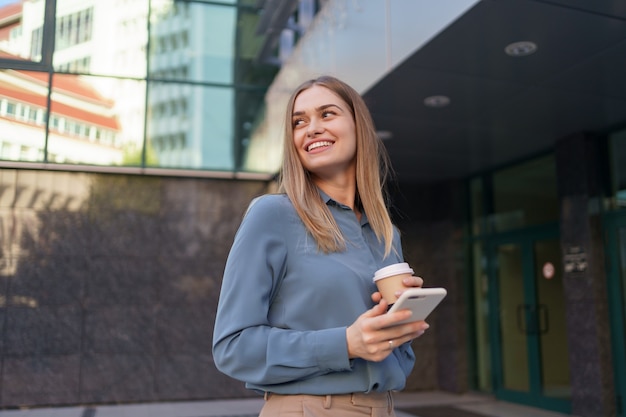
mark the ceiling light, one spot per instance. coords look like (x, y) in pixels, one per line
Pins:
(436, 101)
(384, 134)
(522, 48)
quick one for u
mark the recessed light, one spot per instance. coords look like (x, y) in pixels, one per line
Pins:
(522, 48)
(436, 101)
(384, 134)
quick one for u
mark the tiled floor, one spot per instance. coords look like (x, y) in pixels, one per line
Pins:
(441, 404)
(431, 404)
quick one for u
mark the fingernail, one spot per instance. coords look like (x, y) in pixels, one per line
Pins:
(425, 326)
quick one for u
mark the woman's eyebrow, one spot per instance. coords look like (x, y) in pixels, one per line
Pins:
(325, 106)
(318, 109)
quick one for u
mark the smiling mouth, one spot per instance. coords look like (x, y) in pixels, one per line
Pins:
(321, 144)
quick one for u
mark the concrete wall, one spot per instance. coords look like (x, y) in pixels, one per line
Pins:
(432, 222)
(585, 290)
(109, 285)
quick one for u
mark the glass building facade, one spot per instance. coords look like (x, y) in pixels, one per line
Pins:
(133, 134)
(163, 84)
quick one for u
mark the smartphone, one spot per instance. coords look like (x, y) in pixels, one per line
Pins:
(422, 301)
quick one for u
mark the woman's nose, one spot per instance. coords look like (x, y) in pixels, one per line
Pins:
(314, 127)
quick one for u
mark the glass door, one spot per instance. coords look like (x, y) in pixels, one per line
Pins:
(530, 359)
(616, 250)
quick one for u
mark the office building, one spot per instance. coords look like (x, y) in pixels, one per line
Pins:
(505, 122)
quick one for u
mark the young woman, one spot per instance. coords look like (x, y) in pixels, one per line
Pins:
(299, 318)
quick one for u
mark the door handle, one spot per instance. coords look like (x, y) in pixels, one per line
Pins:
(521, 319)
(538, 319)
(543, 312)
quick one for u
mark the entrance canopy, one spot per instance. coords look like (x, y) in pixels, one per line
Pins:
(463, 86)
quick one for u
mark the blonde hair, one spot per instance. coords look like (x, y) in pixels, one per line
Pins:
(372, 171)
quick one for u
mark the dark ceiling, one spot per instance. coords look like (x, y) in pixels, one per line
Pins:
(502, 108)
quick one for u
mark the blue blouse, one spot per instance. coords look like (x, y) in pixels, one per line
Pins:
(284, 306)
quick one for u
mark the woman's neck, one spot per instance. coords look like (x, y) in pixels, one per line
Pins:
(342, 191)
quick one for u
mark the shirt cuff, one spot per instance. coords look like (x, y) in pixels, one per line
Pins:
(331, 348)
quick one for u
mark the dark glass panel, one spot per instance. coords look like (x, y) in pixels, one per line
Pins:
(250, 71)
(477, 205)
(617, 143)
(525, 195)
(249, 111)
(483, 371)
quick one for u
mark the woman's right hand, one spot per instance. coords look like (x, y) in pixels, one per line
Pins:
(373, 335)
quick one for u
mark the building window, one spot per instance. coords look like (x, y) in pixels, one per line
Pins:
(115, 105)
(11, 109)
(74, 29)
(6, 149)
(35, 44)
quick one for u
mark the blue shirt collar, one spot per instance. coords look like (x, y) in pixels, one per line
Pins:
(329, 201)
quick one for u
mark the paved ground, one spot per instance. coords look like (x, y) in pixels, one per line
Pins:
(422, 404)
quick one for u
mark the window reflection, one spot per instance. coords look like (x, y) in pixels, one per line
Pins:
(191, 126)
(192, 41)
(23, 97)
(15, 37)
(103, 37)
(74, 28)
(206, 84)
(85, 126)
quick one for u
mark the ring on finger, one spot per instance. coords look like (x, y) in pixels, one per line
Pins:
(391, 344)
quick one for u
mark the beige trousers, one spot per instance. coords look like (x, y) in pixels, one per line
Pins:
(348, 405)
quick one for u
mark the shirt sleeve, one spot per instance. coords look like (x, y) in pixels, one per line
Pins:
(245, 345)
(406, 357)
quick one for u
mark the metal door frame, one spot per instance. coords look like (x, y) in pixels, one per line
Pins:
(617, 305)
(525, 238)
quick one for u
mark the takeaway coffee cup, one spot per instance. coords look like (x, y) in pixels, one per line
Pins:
(389, 280)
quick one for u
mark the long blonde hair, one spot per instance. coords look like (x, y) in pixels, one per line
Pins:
(372, 171)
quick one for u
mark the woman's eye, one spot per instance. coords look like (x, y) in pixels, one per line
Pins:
(297, 122)
(327, 113)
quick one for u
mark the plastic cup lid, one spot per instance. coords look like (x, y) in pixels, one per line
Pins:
(395, 269)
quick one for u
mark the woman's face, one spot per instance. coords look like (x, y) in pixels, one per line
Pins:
(324, 133)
